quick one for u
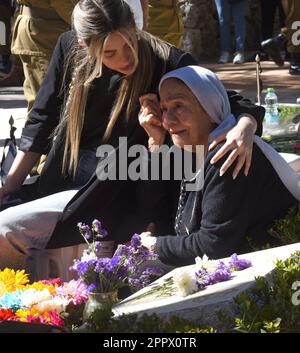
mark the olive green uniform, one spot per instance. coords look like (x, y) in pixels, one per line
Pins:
(292, 13)
(35, 33)
(5, 25)
(165, 20)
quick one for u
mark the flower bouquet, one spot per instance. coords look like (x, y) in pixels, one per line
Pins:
(104, 276)
(206, 272)
(124, 268)
(61, 305)
(46, 302)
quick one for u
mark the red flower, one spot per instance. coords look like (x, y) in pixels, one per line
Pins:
(7, 314)
(52, 281)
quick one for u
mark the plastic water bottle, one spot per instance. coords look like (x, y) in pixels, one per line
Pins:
(271, 116)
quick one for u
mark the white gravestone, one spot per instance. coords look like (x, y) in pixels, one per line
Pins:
(203, 305)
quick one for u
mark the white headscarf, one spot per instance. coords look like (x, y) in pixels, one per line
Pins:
(212, 96)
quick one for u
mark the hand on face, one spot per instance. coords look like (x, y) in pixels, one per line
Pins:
(150, 119)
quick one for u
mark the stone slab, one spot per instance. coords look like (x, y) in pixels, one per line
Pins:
(204, 304)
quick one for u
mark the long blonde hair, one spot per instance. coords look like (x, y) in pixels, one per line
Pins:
(93, 21)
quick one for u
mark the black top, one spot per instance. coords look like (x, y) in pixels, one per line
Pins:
(117, 195)
(217, 220)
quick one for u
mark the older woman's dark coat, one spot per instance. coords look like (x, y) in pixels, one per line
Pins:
(110, 201)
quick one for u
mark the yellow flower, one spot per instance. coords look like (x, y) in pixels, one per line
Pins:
(40, 286)
(23, 314)
(2, 288)
(13, 280)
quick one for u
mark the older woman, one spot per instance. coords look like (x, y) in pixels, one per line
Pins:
(218, 219)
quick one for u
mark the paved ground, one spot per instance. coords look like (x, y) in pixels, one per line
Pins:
(238, 77)
(242, 78)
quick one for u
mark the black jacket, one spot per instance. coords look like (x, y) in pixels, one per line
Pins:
(227, 216)
(110, 201)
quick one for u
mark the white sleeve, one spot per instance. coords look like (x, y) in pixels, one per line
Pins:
(137, 11)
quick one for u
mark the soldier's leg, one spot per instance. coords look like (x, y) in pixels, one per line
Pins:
(35, 68)
(292, 32)
(292, 13)
(165, 21)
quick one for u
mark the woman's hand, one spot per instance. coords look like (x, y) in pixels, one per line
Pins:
(148, 240)
(150, 119)
(239, 140)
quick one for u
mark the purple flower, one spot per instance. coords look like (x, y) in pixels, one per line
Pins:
(153, 271)
(221, 274)
(106, 274)
(84, 267)
(101, 263)
(135, 282)
(98, 245)
(122, 250)
(113, 264)
(84, 230)
(237, 264)
(135, 241)
(98, 229)
(93, 287)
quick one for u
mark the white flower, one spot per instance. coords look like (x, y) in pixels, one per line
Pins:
(33, 296)
(185, 282)
(88, 255)
(205, 264)
(56, 304)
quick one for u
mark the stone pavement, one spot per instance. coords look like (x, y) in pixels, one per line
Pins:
(242, 78)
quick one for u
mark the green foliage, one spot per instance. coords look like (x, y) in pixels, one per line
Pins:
(103, 321)
(287, 229)
(268, 307)
(287, 113)
(286, 143)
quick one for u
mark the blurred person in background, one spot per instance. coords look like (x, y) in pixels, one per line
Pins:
(289, 34)
(35, 33)
(10, 69)
(165, 21)
(232, 10)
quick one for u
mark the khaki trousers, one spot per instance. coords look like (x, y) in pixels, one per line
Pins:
(165, 21)
(35, 68)
(292, 12)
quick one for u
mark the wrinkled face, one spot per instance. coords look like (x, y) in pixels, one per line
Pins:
(183, 117)
(118, 54)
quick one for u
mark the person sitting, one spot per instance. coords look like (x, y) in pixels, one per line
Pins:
(90, 98)
(217, 219)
